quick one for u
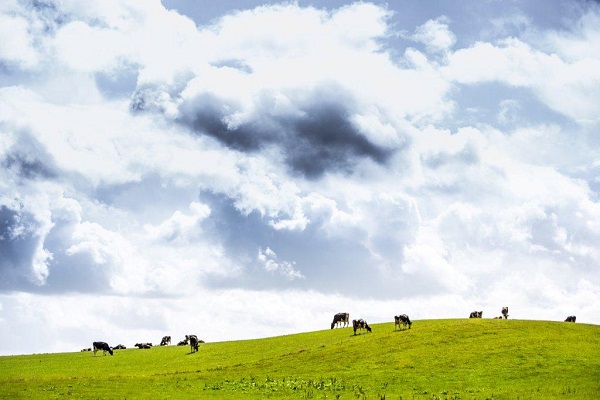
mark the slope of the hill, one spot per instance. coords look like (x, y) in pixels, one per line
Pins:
(436, 359)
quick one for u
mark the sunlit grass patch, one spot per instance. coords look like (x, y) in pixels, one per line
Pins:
(436, 359)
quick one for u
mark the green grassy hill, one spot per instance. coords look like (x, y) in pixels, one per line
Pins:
(436, 359)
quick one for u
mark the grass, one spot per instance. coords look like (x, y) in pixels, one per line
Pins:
(436, 359)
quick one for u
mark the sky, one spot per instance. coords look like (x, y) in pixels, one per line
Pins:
(245, 169)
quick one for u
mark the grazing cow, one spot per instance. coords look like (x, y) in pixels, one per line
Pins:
(193, 339)
(143, 345)
(571, 318)
(360, 324)
(183, 343)
(402, 319)
(102, 346)
(476, 314)
(119, 347)
(341, 319)
(505, 312)
(166, 340)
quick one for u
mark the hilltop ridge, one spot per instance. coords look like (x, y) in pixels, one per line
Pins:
(436, 359)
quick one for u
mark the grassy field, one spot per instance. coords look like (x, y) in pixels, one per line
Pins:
(436, 359)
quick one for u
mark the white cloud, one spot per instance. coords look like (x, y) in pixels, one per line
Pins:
(570, 88)
(579, 43)
(84, 48)
(268, 258)
(180, 227)
(19, 49)
(310, 132)
(508, 108)
(435, 35)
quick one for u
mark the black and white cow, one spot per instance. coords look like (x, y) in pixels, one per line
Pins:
(505, 312)
(143, 345)
(360, 324)
(340, 319)
(193, 339)
(571, 318)
(166, 340)
(402, 319)
(119, 347)
(476, 314)
(102, 346)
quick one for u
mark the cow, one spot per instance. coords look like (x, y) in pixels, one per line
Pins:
(102, 346)
(476, 314)
(505, 312)
(143, 345)
(182, 343)
(571, 318)
(341, 319)
(166, 340)
(119, 347)
(402, 319)
(360, 324)
(193, 340)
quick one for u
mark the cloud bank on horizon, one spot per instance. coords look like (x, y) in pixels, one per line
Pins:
(270, 166)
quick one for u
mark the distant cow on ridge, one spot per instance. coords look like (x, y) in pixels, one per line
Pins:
(360, 324)
(571, 318)
(166, 340)
(402, 319)
(340, 319)
(505, 312)
(102, 346)
(193, 339)
(476, 314)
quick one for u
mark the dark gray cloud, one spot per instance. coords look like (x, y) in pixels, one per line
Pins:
(26, 167)
(206, 115)
(28, 159)
(317, 138)
(324, 139)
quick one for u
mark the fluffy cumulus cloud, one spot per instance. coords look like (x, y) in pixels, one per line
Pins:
(297, 160)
